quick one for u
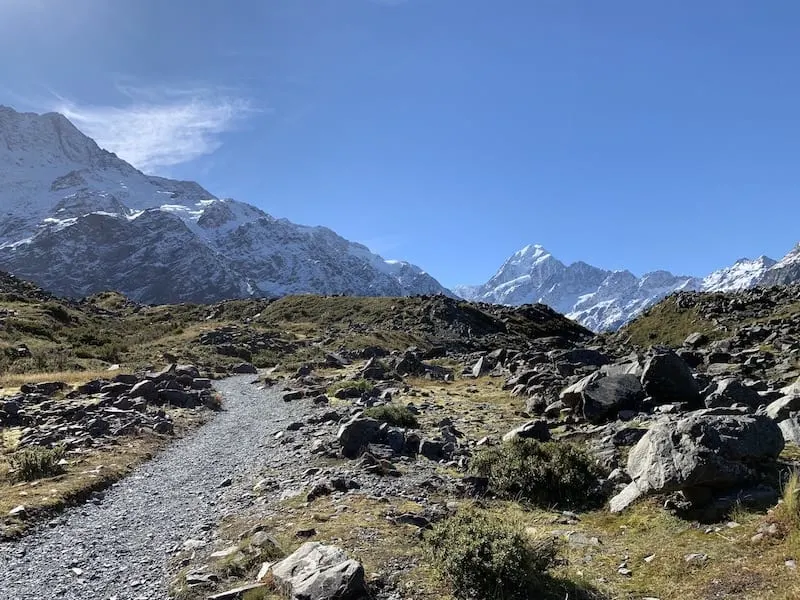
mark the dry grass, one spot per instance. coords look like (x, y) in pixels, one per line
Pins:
(88, 471)
(10, 382)
(478, 408)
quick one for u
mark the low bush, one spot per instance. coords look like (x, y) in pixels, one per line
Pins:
(36, 463)
(545, 474)
(481, 556)
(393, 414)
(787, 513)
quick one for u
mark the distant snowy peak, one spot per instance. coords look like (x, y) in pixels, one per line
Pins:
(742, 274)
(603, 300)
(597, 298)
(77, 220)
(785, 271)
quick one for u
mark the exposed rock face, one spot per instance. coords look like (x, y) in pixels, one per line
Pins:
(710, 449)
(319, 572)
(78, 220)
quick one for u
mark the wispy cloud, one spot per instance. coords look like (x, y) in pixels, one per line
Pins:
(157, 128)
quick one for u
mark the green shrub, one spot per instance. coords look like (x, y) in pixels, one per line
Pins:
(480, 556)
(58, 312)
(545, 474)
(37, 462)
(393, 414)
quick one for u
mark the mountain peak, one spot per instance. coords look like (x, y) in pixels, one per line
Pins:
(78, 220)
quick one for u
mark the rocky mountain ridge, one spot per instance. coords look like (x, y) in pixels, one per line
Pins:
(605, 300)
(78, 220)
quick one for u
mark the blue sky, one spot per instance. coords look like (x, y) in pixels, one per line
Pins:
(629, 134)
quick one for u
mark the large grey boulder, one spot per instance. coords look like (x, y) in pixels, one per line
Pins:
(532, 430)
(781, 408)
(357, 434)
(666, 378)
(605, 397)
(730, 391)
(319, 572)
(572, 395)
(705, 451)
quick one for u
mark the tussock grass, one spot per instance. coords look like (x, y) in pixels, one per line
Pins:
(393, 414)
(15, 380)
(787, 513)
(543, 474)
(35, 463)
(480, 555)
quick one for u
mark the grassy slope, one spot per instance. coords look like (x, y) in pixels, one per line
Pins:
(66, 336)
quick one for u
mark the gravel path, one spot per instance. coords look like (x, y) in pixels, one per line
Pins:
(119, 548)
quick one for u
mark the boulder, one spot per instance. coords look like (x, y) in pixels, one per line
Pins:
(482, 366)
(356, 434)
(730, 391)
(536, 430)
(244, 369)
(373, 369)
(666, 378)
(781, 408)
(605, 397)
(790, 428)
(585, 357)
(47, 388)
(706, 450)
(144, 389)
(696, 340)
(319, 572)
(572, 395)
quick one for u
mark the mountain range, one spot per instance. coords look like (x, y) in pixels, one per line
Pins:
(77, 219)
(605, 300)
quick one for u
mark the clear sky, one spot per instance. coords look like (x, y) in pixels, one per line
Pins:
(626, 133)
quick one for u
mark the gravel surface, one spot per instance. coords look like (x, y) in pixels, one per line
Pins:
(119, 547)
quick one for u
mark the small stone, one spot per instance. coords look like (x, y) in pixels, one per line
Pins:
(18, 511)
(305, 533)
(625, 572)
(77, 571)
(791, 564)
(227, 482)
(229, 551)
(696, 558)
(649, 558)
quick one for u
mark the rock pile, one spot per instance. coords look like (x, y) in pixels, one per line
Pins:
(104, 408)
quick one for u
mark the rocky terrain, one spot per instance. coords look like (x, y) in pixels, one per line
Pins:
(654, 462)
(604, 300)
(78, 220)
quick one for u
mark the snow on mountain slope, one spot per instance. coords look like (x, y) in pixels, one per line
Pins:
(596, 298)
(605, 300)
(76, 219)
(742, 274)
(785, 271)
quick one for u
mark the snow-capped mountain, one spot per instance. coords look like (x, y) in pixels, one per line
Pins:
(76, 219)
(605, 300)
(596, 298)
(786, 270)
(742, 274)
